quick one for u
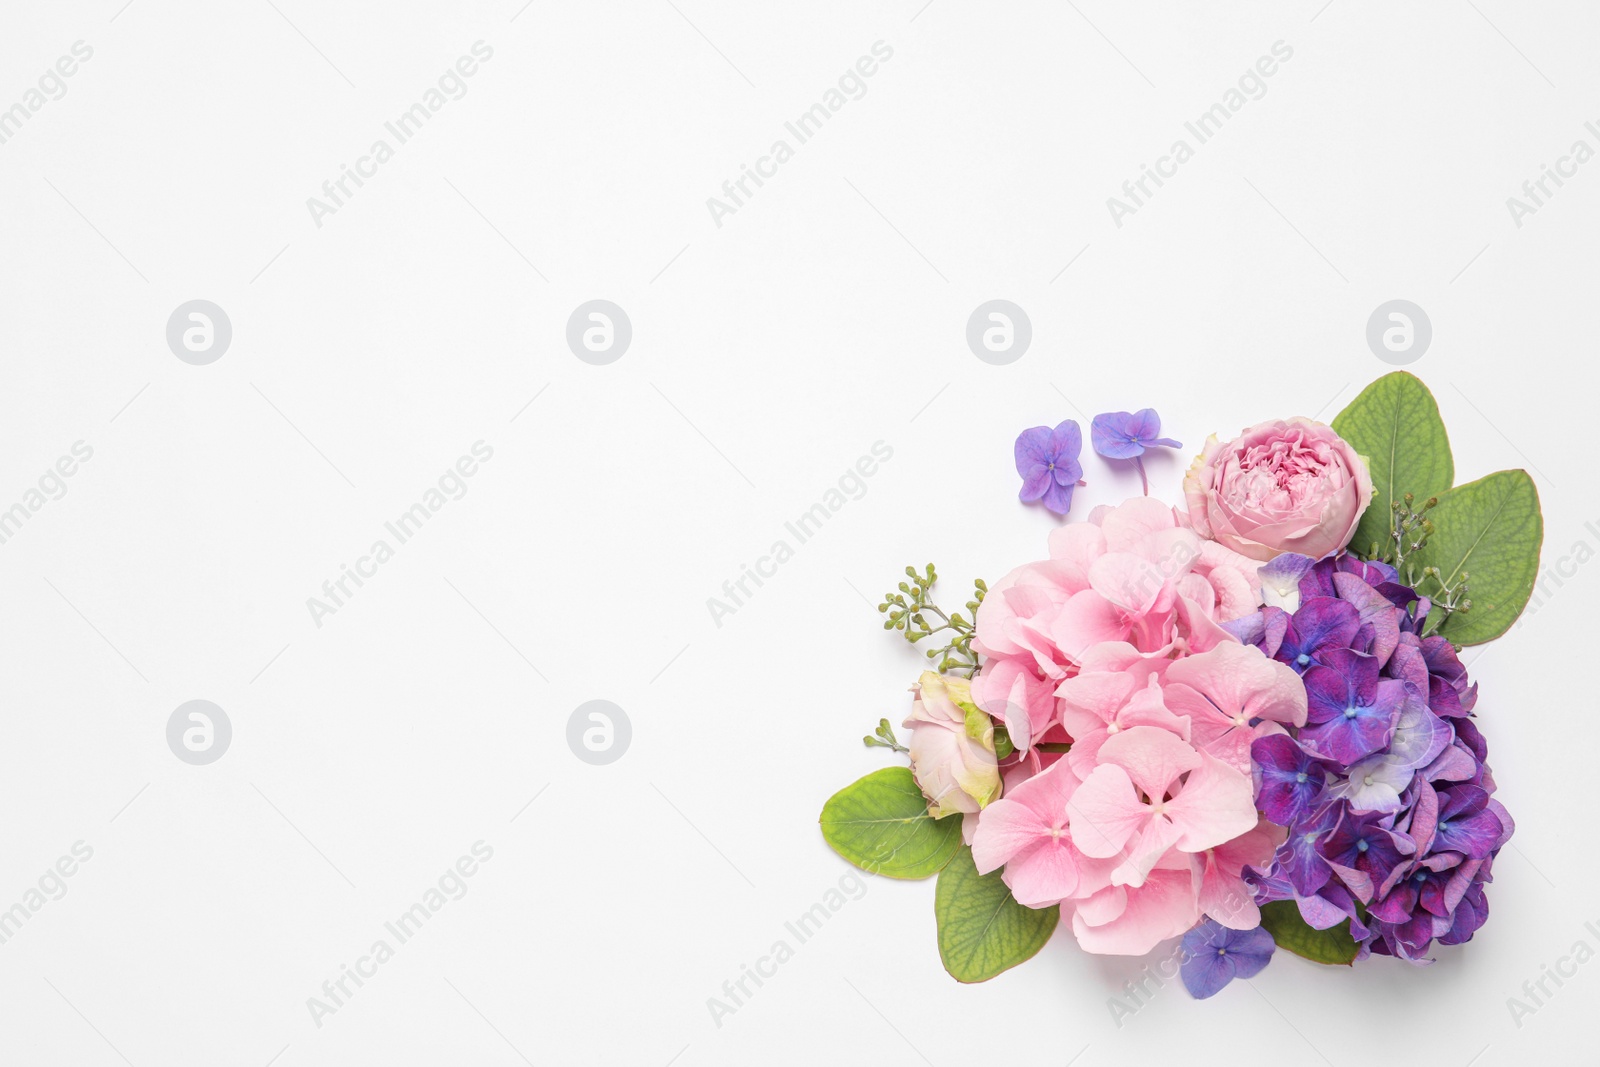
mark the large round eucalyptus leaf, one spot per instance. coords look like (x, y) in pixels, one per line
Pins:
(881, 824)
(1395, 425)
(982, 929)
(1491, 530)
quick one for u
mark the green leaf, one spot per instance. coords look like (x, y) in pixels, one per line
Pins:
(1491, 529)
(881, 824)
(1282, 920)
(982, 929)
(1395, 424)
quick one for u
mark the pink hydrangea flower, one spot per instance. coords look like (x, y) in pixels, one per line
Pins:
(1132, 583)
(1116, 643)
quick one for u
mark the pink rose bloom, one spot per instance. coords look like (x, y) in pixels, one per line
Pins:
(1288, 485)
(953, 764)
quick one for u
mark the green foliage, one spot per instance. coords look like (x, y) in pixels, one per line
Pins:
(1396, 427)
(1281, 919)
(881, 824)
(883, 737)
(1493, 530)
(1472, 550)
(982, 929)
(908, 611)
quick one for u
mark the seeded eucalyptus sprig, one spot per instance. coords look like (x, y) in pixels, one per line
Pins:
(1451, 599)
(884, 738)
(1409, 530)
(908, 611)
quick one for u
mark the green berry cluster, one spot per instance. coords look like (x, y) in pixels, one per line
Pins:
(908, 611)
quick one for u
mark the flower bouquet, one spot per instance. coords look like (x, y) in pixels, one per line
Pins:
(1241, 721)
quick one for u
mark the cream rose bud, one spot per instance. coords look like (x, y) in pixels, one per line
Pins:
(952, 747)
(1288, 485)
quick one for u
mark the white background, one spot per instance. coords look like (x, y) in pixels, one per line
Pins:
(768, 354)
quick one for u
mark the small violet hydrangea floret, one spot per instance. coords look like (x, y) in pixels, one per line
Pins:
(1351, 712)
(1214, 955)
(1048, 462)
(1388, 803)
(1126, 435)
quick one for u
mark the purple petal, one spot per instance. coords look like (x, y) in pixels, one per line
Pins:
(1327, 693)
(1375, 609)
(1206, 971)
(1033, 449)
(1288, 780)
(1058, 497)
(1144, 424)
(1066, 441)
(1419, 735)
(1470, 914)
(1249, 629)
(1473, 837)
(1114, 435)
(1214, 955)
(1321, 624)
(1358, 730)
(1036, 482)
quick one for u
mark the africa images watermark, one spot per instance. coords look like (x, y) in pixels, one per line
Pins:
(803, 528)
(736, 992)
(1252, 85)
(806, 126)
(336, 191)
(1537, 991)
(52, 485)
(338, 592)
(51, 886)
(51, 85)
(451, 885)
(1537, 191)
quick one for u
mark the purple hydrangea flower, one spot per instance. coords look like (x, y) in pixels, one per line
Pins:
(1300, 859)
(1365, 853)
(1401, 836)
(1466, 823)
(1350, 711)
(1288, 778)
(1323, 623)
(1214, 955)
(1048, 462)
(1126, 435)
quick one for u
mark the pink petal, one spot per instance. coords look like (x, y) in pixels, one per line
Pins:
(1225, 897)
(1084, 621)
(1044, 875)
(1075, 546)
(1091, 700)
(1128, 524)
(1006, 829)
(1105, 812)
(1215, 804)
(1164, 907)
(1203, 630)
(1127, 580)
(1146, 851)
(1153, 758)
(1244, 684)
(1101, 907)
